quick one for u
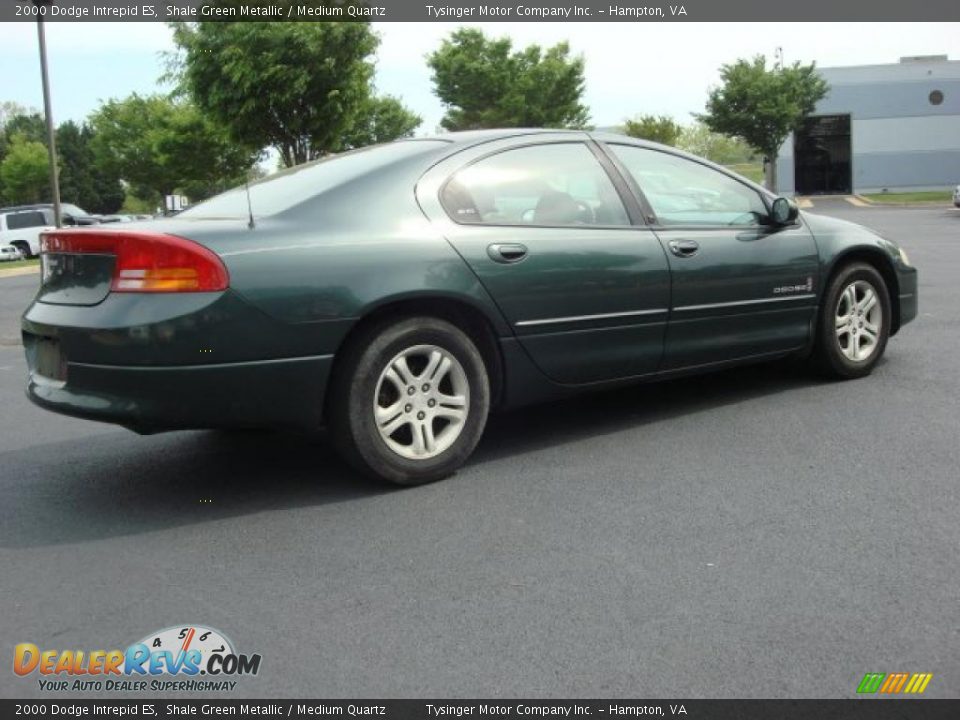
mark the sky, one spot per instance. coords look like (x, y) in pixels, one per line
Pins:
(631, 68)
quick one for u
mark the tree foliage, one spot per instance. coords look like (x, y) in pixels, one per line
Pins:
(763, 106)
(381, 119)
(302, 88)
(484, 83)
(161, 147)
(25, 171)
(83, 181)
(698, 139)
(656, 128)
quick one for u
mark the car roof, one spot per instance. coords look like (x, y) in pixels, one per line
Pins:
(21, 208)
(465, 138)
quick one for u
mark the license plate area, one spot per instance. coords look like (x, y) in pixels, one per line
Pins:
(46, 359)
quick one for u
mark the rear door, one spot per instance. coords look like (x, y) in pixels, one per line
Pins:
(741, 286)
(544, 223)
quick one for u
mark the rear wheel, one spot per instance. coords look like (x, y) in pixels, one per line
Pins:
(409, 400)
(854, 322)
(23, 247)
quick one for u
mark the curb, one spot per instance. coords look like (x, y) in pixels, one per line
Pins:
(919, 203)
(16, 272)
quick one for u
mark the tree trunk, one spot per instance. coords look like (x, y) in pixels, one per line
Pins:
(770, 173)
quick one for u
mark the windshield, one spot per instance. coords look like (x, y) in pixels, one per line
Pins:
(69, 209)
(294, 185)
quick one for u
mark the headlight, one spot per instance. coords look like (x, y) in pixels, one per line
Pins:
(903, 257)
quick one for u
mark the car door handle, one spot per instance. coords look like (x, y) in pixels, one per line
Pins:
(684, 248)
(507, 252)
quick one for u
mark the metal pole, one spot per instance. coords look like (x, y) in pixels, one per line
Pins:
(48, 112)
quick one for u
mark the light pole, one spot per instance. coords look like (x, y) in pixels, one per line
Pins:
(48, 114)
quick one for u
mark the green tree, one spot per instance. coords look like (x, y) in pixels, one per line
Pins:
(484, 83)
(381, 119)
(302, 88)
(15, 119)
(656, 128)
(30, 125)
(162, 147)
(763, 106)
(25, 171)
(698, 139)
(83, 180)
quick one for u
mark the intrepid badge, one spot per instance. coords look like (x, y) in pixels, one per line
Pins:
(787, 289)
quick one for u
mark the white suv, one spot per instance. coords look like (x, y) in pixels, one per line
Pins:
(22, 228)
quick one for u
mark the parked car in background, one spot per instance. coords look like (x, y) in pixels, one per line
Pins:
(21, 225)
(398, 293)
(8, 253)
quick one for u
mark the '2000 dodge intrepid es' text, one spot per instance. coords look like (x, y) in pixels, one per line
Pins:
(397, 293)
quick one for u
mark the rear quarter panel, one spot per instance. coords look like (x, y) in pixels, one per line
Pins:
(324, 264)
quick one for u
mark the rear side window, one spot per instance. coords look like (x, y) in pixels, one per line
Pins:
(684, 192)
(18, 221)
(295, 185)
(557, 184)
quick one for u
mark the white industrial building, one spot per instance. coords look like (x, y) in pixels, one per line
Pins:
(880, 128)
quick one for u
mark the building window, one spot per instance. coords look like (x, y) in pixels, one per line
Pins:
(936, 97)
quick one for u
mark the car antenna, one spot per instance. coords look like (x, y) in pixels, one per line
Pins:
(246, 184)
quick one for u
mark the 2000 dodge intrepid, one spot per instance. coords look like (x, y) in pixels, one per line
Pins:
(397, 293)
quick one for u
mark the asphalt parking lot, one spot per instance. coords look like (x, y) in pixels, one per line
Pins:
(755, 533)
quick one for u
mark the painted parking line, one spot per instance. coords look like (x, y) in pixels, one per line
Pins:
(854, 200)
(804, 203)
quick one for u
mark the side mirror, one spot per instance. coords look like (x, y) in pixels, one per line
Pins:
(783, 211)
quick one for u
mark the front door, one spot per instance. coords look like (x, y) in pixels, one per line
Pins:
(547, 233)
(742, 287)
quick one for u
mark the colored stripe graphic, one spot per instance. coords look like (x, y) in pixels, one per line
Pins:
(871, 682)
(894, 683)
(918, 683)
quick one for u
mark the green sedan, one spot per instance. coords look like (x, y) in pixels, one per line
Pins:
(398, 294)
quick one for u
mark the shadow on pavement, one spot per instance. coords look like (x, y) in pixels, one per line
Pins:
(120, 484)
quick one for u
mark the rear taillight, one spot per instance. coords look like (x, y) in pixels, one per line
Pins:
(146, 261)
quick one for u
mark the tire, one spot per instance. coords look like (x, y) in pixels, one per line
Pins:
(24, 249)
(409, 400)
(849, 344)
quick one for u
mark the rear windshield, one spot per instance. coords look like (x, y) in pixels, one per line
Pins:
(290, 187)
(18, 221)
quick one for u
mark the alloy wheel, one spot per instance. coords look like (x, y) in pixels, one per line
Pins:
(858, 321)
(421, 402)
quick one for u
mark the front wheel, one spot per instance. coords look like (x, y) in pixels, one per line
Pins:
(409, 400)
(854, 322)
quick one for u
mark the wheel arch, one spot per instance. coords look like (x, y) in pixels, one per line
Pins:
(464, 314)
(881, 262)
(22, 245)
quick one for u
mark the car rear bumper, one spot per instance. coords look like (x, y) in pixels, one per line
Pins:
(268, 393)
(197, 360)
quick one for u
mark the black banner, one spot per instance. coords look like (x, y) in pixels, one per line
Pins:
(622, 11)
(865, 709)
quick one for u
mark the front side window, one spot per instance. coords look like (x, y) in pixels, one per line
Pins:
(18, 221)
(558, 184)
(684, 192)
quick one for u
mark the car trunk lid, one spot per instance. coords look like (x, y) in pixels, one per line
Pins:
(83, 266)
